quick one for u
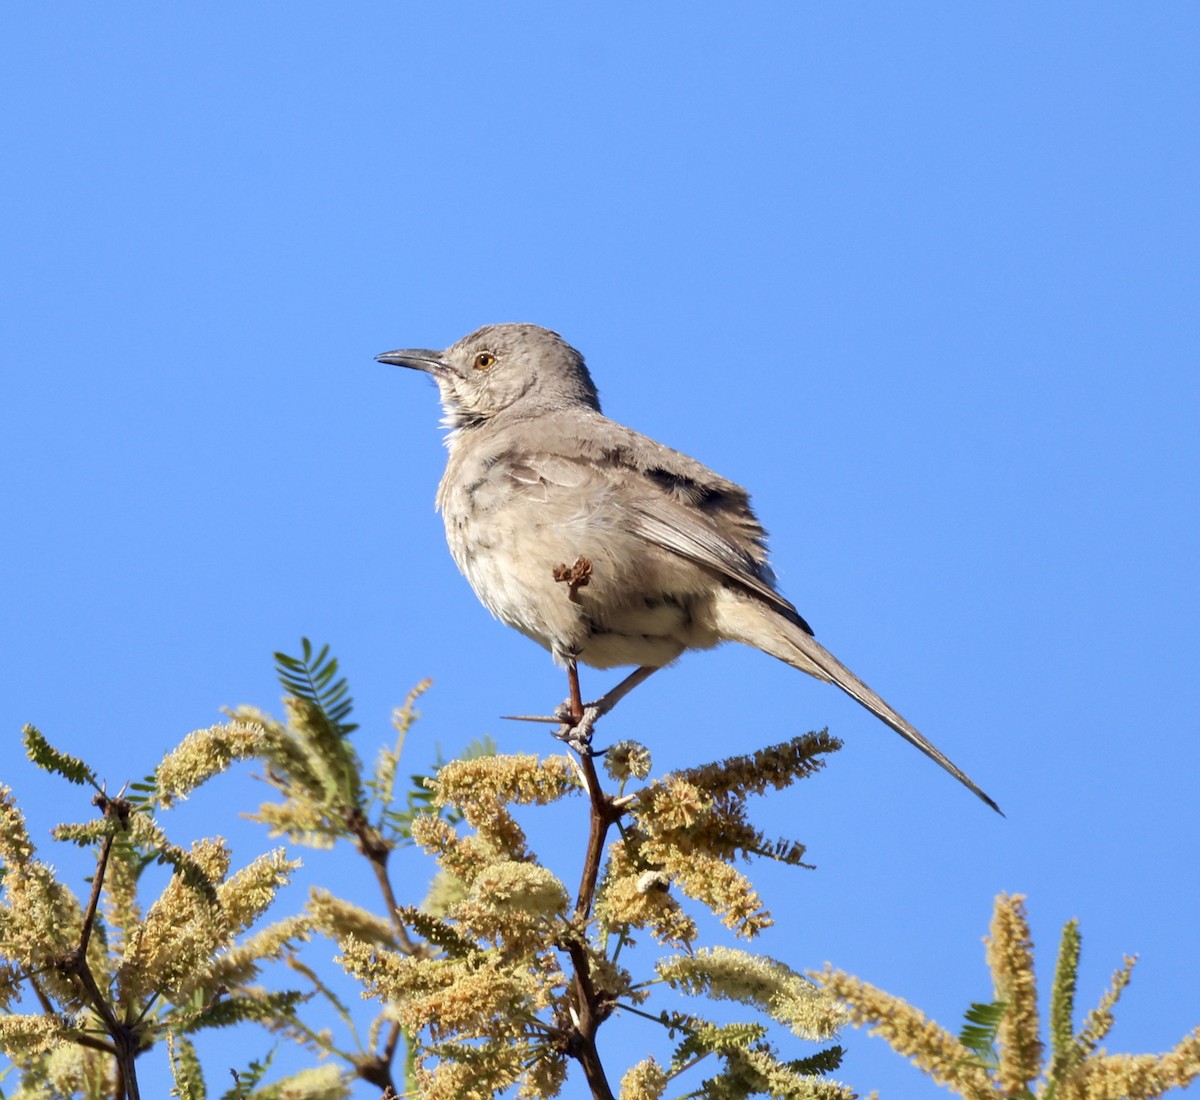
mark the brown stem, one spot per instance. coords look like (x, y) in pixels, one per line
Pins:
(377, 851)
(377, 1070)
(125, 1039)
(603, 814)
(589, 1013)
(389, 1050)
(583, 1048)
(89, 916)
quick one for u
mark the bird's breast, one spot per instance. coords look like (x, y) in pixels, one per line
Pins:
(511, 533)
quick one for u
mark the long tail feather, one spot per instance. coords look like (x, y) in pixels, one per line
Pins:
(857, 690)
(747, 620)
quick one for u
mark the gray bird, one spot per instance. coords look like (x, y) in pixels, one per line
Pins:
(668, 556)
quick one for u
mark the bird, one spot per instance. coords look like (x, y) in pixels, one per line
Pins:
(599, 543)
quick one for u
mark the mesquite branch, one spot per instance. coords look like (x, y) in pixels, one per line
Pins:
(124, 1039)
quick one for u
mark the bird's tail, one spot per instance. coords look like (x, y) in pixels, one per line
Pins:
(744, 618)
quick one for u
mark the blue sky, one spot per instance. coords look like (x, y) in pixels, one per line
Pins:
(923, 277)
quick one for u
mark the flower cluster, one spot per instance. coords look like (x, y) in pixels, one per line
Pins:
(1013, 1065)
(687, 830)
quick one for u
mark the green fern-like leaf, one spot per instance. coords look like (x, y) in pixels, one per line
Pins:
(702, 1037)
(751, 1065)
(979, 1031)
(419, 796)
(437, 932)
(817, 1065)
(247, 1080)
(189, 871)
(311, 677)
(185, 1069)
(321, 758)
(478, 747)
(265, 1008)
(143, 795)
(487, 1067)
(790, 852)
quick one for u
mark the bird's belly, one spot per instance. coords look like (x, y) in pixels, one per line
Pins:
(640, 605)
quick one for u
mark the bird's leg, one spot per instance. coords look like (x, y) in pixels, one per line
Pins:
(574, 715)
(574, 703)
(578, 718)
(611, 698)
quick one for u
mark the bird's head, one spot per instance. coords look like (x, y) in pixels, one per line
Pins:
(499, 367)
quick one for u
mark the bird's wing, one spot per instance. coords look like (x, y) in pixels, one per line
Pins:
(672, 500)
(713, 528)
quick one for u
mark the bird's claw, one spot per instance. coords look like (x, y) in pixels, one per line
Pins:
(598, 709)
(577, 734)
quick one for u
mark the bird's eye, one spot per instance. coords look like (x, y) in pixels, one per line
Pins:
(485, 360)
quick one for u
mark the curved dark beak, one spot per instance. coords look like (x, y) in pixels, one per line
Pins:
(417, 358)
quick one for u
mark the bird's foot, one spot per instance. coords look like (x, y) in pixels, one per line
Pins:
(577, 734)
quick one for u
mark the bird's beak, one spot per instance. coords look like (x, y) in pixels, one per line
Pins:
(432, 362)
